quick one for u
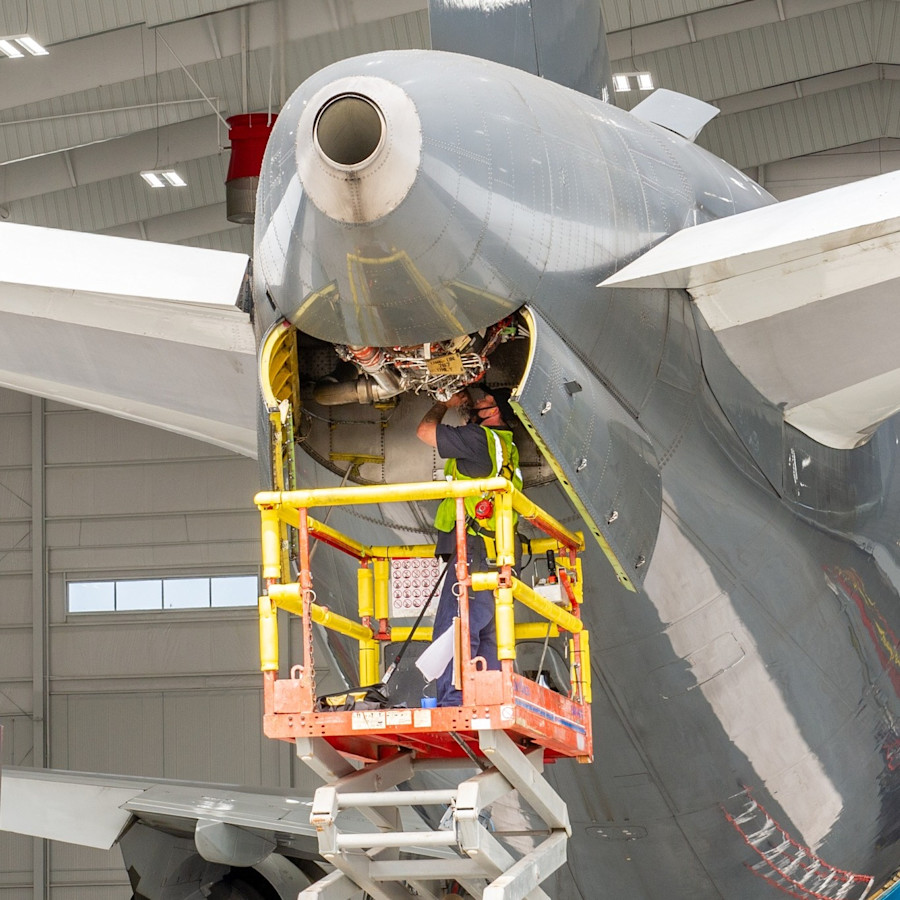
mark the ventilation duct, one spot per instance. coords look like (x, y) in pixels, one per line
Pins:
(248, 134)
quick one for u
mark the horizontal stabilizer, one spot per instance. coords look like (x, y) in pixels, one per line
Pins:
(148, 332)
(677, 112)
(801, 296)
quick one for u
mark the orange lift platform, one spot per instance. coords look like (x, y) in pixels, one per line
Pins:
(507, 727)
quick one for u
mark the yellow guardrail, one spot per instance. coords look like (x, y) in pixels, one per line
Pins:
(283, 510)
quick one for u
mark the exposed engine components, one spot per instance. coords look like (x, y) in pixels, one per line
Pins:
(377, 382)
(439, 369)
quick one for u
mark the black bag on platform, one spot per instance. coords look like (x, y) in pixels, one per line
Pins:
(355, 698)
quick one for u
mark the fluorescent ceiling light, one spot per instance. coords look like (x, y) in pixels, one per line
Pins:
(622, 81)
(32, 46)
(159, 178)
(25, 41)
(10, 49)
(153, 179)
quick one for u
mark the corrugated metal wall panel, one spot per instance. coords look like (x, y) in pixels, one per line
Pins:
(15, 490)
(117, 734)
(14, 402)
(77, 436)
(889, 94)
(236, 526)
(84, 867)
(886, 32)
(16, 656)
(15, 608)
(162, 11)
(18, 729)
(802, 175)
(159, 487)
(619, 14)
(236, 240)
(15, 863)
(83, 119)
(90, 892)
(216, 736)
(63, 20)
(180, 559)
(188, 223)
(16, 558)
(766, 56)
(803, 126)
(15, 439)
(161, 645)
(52, 21)
(102, 206)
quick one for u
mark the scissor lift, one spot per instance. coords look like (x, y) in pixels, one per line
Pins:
(507, 727)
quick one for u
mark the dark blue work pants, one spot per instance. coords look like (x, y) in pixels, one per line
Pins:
(482, 629)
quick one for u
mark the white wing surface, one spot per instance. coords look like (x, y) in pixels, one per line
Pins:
(802, 296)
(94, 810)
(144, 331)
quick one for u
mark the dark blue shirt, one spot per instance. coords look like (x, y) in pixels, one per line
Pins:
(468, 445)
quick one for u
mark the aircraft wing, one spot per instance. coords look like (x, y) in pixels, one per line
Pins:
(227, 825)
(802, 297)
(140, 330)
(94, 810)
(161, 827)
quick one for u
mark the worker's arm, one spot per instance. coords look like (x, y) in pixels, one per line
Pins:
(427, 430)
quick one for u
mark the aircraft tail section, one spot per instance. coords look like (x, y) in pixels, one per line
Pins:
(561, 40)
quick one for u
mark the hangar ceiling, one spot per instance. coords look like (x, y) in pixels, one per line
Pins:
(808, 89)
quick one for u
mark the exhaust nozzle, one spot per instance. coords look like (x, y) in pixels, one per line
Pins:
(359, 147)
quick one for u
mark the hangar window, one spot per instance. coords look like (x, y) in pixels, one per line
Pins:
(142, 594)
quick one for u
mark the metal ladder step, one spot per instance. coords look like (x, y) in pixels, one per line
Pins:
(404, 856)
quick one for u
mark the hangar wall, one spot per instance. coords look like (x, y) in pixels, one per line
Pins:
(801, 175)
(168, 693)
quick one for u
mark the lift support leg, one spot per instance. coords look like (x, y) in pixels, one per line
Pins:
(468, 853)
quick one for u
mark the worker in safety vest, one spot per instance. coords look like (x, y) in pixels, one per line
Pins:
(482, 448)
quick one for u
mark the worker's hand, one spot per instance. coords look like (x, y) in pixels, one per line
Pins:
(461, 398)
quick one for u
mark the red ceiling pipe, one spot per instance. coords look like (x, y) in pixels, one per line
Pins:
(248, 134)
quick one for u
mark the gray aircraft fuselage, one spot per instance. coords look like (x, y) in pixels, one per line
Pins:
(747, 693)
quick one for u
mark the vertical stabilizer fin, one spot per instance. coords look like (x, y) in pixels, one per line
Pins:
(561, 40)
